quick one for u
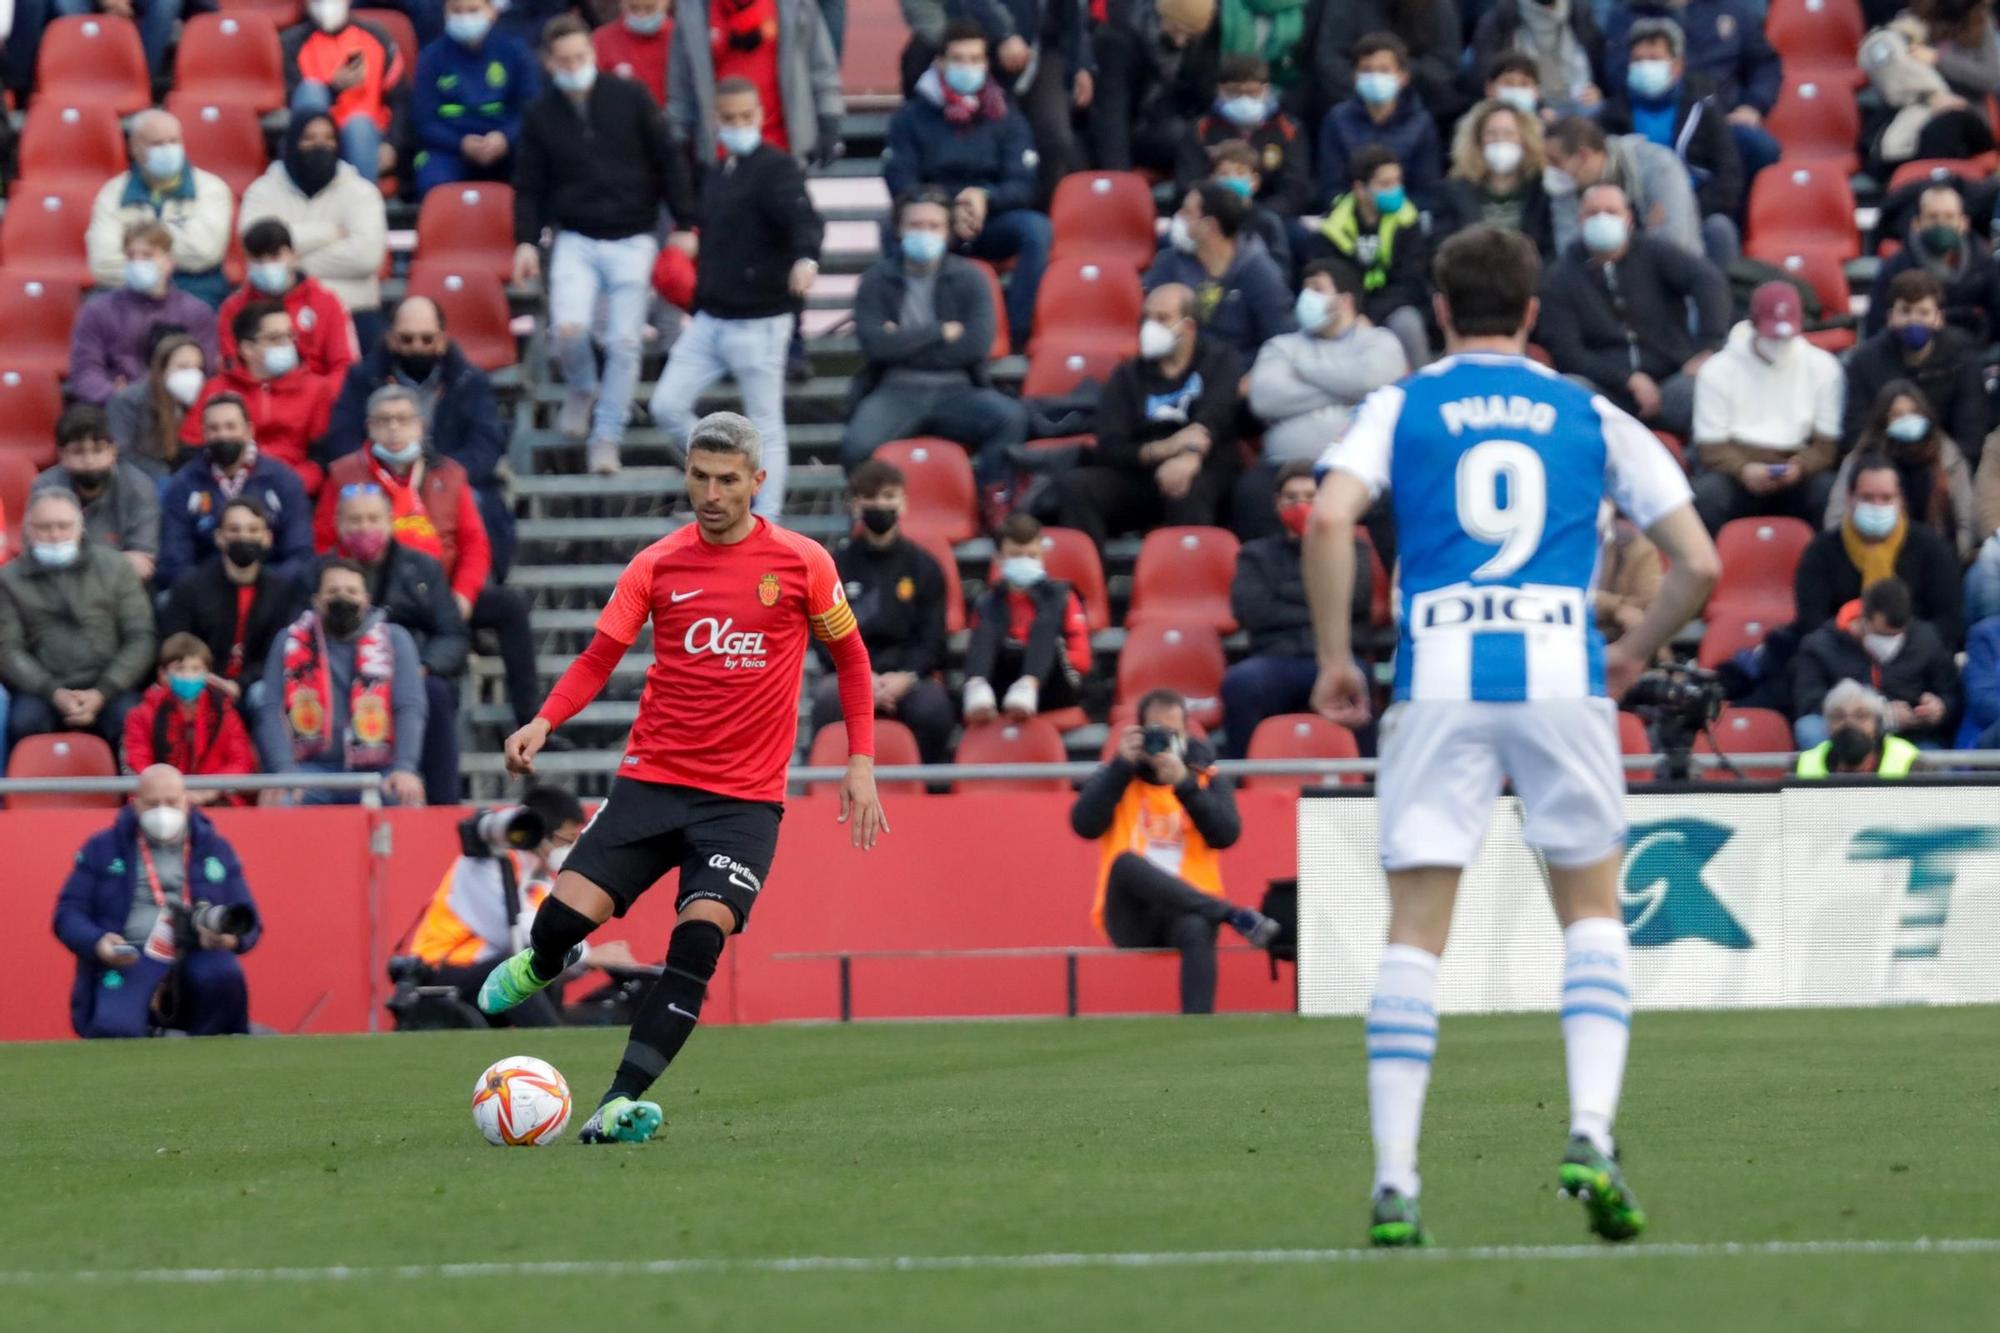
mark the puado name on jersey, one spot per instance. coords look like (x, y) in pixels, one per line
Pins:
(738, 649)
(1493, 410)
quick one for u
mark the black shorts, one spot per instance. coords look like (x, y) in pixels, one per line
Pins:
(722, 845)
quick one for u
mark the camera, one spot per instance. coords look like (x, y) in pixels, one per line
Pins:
(237, 919)
(1680, 702)
(516, 828)
(1160, 740)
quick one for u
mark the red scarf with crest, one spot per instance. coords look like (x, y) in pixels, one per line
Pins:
(370, 741)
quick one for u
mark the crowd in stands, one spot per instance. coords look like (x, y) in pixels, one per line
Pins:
(1206, 226)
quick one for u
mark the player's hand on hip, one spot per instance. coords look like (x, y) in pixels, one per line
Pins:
(1621, 668)
(524, 745)
(1341, 694)
(859, 803)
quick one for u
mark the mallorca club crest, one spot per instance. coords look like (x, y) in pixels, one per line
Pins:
(308, 716)
(768, 590)
(1663, 888)
(371, 720)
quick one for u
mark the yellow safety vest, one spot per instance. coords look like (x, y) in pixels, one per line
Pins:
(1897, 757)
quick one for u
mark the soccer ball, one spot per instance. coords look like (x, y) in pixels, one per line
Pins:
(520, 1102)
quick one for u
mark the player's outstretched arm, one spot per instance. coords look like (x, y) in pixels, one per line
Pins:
(578, 686)
(1692, 568)
(1341, 693)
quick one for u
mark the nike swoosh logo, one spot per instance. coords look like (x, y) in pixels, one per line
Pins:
(676, 1009)
(678, 597)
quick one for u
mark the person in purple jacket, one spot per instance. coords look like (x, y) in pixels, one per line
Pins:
(114, 332)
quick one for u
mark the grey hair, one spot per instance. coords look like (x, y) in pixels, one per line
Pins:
(54, 490)
(1853, 691)
(727, 433)
(394, 393)
(1652, 29)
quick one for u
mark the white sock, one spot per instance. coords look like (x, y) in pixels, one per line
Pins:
(1402, 1039)
(1596, 1023)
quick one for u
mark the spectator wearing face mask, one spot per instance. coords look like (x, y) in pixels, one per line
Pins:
(1305, 386)
(145, 416)
(1157, 68)
(1247, 111)
(1166, 430)
(323, 332)
(116, 330)
(1727, 47)
(898, 594)
(637, 45)
(344, 692)
(1384, 111)
(1030, 648)
(194, 206)
(1858, 742)
(471, 87)
(289, 405)
(1376, 228)
(782, 49)
(337, 223)
(1941, 242)
(229, 467)
(1268, 598)
(1234, 166)
(1561, 37)
(1241, 297)
(236, 601)
(1431, 30)
(1513, 77)
(1918, 345)
(1655, 182)
(1875, 542)
(1041, 55)
(1496, 177)
(347, 68)
(121, 503)
(1767, 418)
(1880, 643)
(187, 720)
(1935, 479)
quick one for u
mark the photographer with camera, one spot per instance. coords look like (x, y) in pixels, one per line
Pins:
(156, 910)
(1161, 816)
(481, 913)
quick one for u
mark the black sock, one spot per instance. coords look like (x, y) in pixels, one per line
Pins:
(670, 1010)
(558, 928)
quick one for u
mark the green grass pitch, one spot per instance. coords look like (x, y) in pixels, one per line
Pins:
(1173, 1139)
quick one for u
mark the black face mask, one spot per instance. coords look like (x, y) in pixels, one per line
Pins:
(244, 554)
(1851, 746)
(225, 454)
(341, 617)
(312, 168)
(91, 482)
(417, 365)
(878, 520)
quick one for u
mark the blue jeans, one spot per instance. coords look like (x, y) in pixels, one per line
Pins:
(1261, 687)
(360, 137)
(156, 19)
(1982, 583)
(749, 351)
(1023, 236)
(216, 1001)
(581, 270)
(1758, 149)
(990, 424)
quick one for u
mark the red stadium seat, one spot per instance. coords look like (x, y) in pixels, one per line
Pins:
(30, 402)
(35, 320)
(1186, 658)
(1817, 121)
(1818, 39)
(943, 498)
(1087, 300)
(468, 226)
(231, 58)
(225, 139)
(1803, 206)
(1002, 341)
(1747, 731)
(954, 586)
(475, 310)
(1968, 169)
(1035, 741)
(284, 13)
(93, 60)
(69, 147)
(1826, 274)
(41, 237)
(1759, 557)
(63, 754)
(1183, 577)
(1057, 366)
(1632, 738)
(894, 744)
(1730, 629)
(1105, 215)
(17, 480)
(871, 58)
(401, 31)
(1301, 736)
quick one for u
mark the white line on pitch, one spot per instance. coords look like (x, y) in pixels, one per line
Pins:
(1974, 1245)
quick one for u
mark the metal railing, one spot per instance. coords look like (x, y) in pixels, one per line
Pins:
(369, 785)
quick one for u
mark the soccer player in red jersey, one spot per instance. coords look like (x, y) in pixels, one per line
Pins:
(731, 598)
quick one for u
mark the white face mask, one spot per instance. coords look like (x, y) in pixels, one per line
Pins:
(1179, 236)
(1022, 571)
(1523, 100)
(163, 823)
(1502, 158)
(1883, 647)
(184, 383)
(1556, 182)
(1156, 340)
(330, 15)
(1770, 348)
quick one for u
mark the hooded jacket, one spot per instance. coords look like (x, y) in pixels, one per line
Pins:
(321, 325)
(288, 416)
(341, 234)
(808, 78)
(991, 153)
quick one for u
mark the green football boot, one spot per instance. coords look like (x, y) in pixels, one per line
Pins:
(1396, 1224)
(1594, 1178)
(622, 1120)
(515, 981)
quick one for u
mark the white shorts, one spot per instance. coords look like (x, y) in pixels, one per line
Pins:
(1443, 762)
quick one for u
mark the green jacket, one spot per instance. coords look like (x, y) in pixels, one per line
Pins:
(1897, 757)
(85, 627)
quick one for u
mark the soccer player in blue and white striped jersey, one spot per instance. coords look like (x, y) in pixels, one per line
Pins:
(1496, 468)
